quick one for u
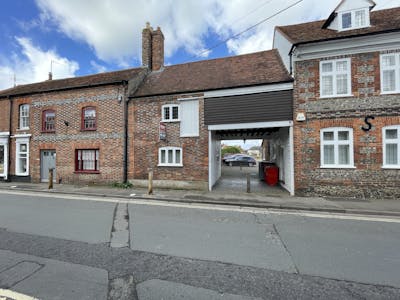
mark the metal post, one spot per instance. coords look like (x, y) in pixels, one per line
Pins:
(51, 178)
(150, 191)
(248, 182)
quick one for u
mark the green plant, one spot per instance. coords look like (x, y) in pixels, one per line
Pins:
(122, 185)
(230, 150)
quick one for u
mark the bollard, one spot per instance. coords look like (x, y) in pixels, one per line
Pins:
(248, 183)
(150, 191)
(50, 178)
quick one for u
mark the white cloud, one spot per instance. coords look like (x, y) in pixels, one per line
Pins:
(98, 68)
(33, 65)
(113, 28)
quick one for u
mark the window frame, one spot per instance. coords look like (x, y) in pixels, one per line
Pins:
(336, 142)
(396, 68)
(83, 119)
(392, 141)
(334, 73)
(171, 107)
(79, 166)
(24, 118)
(44, 121)
(353, 19)
(18, 143)
(173, 164)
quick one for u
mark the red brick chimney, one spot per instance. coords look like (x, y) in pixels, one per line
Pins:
(152, 48)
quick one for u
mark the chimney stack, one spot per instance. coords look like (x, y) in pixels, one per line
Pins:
(152, 48)
(50, 76)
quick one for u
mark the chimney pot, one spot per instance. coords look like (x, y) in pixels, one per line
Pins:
(50, 76)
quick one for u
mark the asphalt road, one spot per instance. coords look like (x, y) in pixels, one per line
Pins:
(61, 247)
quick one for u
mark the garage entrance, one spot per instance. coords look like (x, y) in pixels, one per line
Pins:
(260, 112)
(277, 149)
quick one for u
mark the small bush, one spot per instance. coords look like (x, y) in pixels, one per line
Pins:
(122, 185)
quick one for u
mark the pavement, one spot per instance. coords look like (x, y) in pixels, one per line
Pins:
(372, 206)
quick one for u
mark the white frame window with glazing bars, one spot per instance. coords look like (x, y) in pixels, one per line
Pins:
(391, 147)
(335, 78)
(337, 147)
(170, 157)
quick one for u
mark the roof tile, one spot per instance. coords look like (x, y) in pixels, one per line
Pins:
(237, 71)
(74, 82)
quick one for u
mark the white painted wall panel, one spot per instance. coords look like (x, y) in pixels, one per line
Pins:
(189, 114)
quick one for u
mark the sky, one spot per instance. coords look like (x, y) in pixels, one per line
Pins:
(75, 37)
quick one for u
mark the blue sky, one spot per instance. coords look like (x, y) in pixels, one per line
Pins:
(78, 37)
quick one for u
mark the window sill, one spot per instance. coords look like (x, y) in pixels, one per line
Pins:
(171, 165)
(23, 129)
(338, 167)
(390, 93)
(83, 130)
(336, 96)
(170, 121)
(21, 174)
(87, 172)
(394, 167)
(190, 135)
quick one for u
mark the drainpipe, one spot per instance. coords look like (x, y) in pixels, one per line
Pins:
(125, 155)
(9, 138)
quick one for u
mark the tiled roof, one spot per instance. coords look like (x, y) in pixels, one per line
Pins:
(74, 82)
(229, 72)
(385, 20)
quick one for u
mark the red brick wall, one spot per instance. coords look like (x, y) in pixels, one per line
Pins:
(367, 179)
(108, 137)
(4, 115)
(144, 143)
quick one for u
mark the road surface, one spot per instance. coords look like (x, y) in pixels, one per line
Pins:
(80, 247)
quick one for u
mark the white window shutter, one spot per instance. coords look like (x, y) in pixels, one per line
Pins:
(189, 115)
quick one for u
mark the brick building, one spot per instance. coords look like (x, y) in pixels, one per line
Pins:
(326, 101)
(346, 101)
(74, 125)
(172, 113)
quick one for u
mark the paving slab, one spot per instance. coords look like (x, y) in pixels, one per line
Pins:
(166, 290)
(55, 279)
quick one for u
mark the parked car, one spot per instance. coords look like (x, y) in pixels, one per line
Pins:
(232, 156)
(241, 160)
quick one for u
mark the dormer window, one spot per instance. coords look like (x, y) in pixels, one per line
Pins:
(354, 19)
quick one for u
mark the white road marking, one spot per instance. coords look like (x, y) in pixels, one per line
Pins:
(212, 207)
(8, 294)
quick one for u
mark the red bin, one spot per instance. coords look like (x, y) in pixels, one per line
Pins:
(271, 175)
